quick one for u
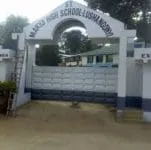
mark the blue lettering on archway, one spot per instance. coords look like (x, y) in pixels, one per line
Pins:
(90, 15)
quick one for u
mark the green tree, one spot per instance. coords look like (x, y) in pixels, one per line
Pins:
(123, 10)
(126, 11)
(13, 24)
(144, 31)
(76, 42)
(48, 55)
(1, 33)
(73, 41)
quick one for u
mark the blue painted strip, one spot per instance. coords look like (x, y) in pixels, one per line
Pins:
(134, 102)
(146, 105)
(83, 96)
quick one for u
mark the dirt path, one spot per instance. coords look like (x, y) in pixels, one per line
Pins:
(56, 126)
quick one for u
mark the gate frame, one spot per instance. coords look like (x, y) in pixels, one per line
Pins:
(29, 46)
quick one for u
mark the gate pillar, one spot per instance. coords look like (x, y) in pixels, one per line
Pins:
(122, 70)
(31, 52)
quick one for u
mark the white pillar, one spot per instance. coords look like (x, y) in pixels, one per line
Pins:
(122, 70)
(94, 60)
(146, 93)
(104, 59)
(30, 62)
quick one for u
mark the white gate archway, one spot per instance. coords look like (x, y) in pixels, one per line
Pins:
(98, 25)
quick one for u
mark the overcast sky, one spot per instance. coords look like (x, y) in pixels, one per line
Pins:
(32, 9)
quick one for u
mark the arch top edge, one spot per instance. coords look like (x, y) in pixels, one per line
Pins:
(83, 14)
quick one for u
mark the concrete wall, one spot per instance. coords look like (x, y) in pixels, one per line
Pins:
(134, 84)
(147, 92)
(23, 97)
(146, 81)
(6, 54)
(86, 84)
(76, 78)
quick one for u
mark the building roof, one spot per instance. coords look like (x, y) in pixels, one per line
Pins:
(113, 49)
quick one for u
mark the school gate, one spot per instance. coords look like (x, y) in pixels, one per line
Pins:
(120, 86)
(86, 84)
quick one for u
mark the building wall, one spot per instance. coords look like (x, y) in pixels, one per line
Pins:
(2, 71)
(84, 60)
(115, 60)
(7, 54)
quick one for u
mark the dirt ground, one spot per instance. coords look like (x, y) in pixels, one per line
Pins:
(57, 126)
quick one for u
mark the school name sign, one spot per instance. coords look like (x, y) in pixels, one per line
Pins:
(69, 12)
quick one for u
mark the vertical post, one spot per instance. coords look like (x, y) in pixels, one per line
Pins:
(94, 60)
(30, 63)
(104, 59)
(146, 94)
(122, 71)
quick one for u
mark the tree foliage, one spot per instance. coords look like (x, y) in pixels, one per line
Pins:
(76, 42)
(144, 31)
(125, 11)
(5, 89)
(13, 24)
(48, 55)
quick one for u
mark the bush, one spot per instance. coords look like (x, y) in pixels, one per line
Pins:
(5, 89)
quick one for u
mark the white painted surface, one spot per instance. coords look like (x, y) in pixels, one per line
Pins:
(115, 59)
(84, 61)
(94, 60)
(93, 28)
(71, 64)
(143, 54)
(147, 116)
(147, 81)
(122, 71)
(6, 54)
(23, 97)
(2, 71)
(134, 78)
(21, 42)
(30, 62)
(75, 78)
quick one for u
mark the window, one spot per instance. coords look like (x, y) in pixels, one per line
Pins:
(90, 59)
(130, 54)
(109, 58)
(99, 59)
